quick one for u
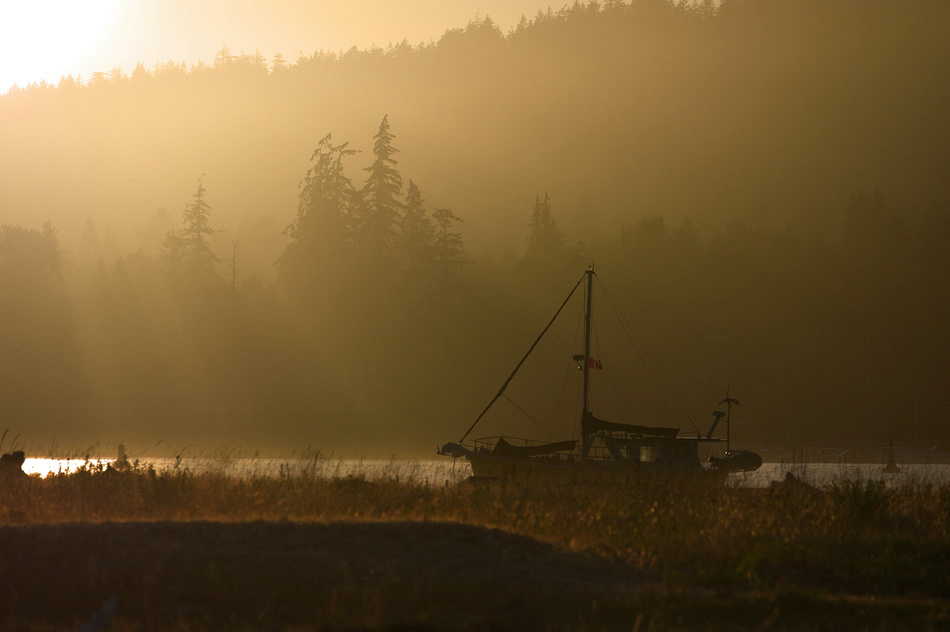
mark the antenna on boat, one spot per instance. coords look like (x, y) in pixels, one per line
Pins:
(729, 401)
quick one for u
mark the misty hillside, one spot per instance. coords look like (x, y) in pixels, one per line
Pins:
(763, 182)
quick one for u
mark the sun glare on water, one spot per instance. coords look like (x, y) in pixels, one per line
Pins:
(45, 467)
(47, 39)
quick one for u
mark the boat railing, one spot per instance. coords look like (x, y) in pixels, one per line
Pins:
(486, 445)
(490, 443)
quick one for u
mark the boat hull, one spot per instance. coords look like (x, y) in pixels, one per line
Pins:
(488, 467)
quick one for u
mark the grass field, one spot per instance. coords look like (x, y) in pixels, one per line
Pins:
(183, 551)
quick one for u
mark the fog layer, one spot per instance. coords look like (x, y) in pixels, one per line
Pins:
(187, 256)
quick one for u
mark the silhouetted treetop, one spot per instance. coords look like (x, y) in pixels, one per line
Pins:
(323, 230)
(545, 240)
(31, 260)
(373, 229)
(416, 231)
(448, 245)
(188, 251)
(379, 211)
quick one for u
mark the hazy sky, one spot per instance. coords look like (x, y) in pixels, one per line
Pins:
(46, 39)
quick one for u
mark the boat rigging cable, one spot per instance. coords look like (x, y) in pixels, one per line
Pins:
(533, 419)
(647, 361)
(510, 377)
(549, 428)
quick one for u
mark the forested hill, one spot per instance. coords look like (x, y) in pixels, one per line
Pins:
(767, 110)
(352, 249)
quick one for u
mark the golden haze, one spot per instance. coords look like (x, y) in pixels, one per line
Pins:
(764, 186)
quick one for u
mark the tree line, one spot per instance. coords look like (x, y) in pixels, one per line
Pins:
(372, 334)
(624, 92)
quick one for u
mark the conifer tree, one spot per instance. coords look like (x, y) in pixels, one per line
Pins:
(416, 231)
(327, 195)
(380, 208)
(322, 230)
(223, 57)
(449, 251)
(31, 262)
(545, 241)
(188, 250)
(279, 63)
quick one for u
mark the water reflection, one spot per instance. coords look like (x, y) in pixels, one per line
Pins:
(45, 467)
(429, 471)
(826, 474)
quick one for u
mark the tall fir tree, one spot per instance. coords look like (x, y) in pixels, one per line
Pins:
(448, 246)
(188, 250)
(545, 241)
(325, 205)
(380, 207)
(31, 263)
(416, 231)
(321, 234)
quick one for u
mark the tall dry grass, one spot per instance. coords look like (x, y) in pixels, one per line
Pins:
(857, 536)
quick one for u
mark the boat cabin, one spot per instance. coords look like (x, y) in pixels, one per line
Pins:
(663, 455)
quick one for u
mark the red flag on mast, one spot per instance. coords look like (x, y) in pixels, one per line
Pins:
(592, 363)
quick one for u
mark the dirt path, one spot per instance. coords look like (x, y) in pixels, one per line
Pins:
(338, 575)
(387, 575)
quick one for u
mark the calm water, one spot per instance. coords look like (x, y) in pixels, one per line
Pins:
(448, 471)
(438, 472)
(824, 474)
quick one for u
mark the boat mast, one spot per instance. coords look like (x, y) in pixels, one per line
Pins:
(533, 345)
(590, 291)
(585, 438)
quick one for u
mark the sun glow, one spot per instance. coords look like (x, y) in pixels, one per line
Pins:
(47, 39)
